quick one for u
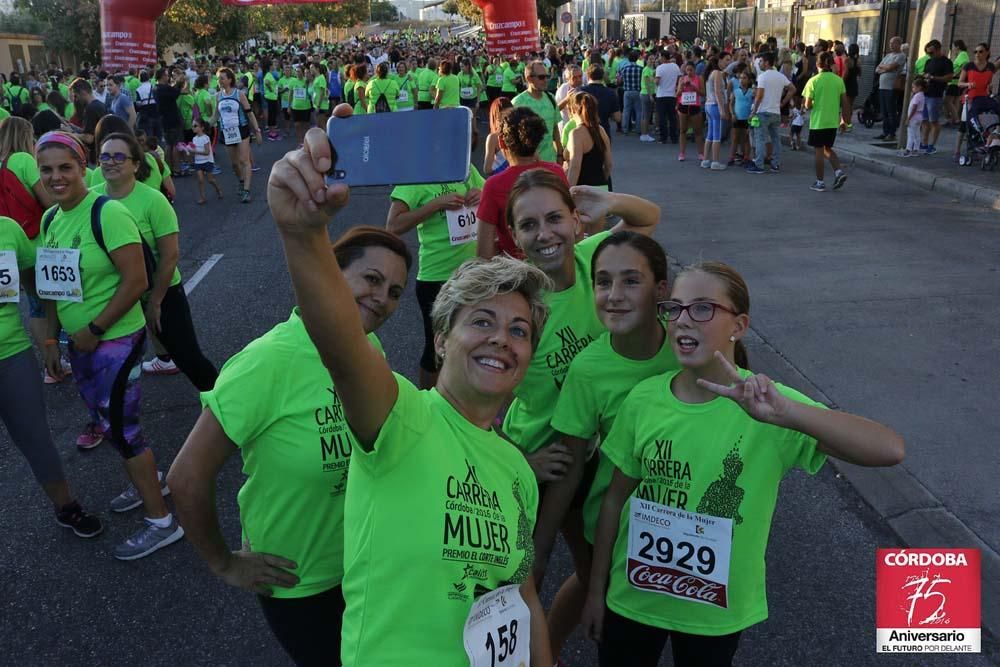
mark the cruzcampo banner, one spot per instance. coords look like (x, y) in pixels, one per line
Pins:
(128, 32)
(511, 26)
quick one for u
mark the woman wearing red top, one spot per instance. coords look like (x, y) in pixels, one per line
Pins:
(521, 132)
(976, 78)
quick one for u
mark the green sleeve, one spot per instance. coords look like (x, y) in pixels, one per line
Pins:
(475, 179)
(244, 415)
(576, 411)
(119, 226)
(406, 423)
(25, 168)
(414, 196)
(24, 248)
(620, 446)
(800, 449)
(163, 217)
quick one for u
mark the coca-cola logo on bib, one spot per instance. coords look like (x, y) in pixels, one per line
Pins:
(675, 582)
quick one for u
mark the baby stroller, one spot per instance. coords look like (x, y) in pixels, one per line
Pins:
(983, 134)
(870, 113)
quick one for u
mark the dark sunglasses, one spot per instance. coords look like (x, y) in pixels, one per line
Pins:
(117, 158)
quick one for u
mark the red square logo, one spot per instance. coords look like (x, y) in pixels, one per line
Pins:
(927, 601)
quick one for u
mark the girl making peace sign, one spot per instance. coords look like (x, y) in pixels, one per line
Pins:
(699, 454)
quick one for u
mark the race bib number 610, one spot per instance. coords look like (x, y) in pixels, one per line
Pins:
(678, 553)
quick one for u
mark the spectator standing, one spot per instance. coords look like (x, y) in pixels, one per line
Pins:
(773, 91)
(938, 71)
(118, 101)
(607, 100)
(892, 65)
(631, 76)
(667, 74)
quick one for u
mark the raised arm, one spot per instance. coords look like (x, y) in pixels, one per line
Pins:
(302, 205)
(594, 205)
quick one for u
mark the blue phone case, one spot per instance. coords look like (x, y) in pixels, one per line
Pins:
(401, 148)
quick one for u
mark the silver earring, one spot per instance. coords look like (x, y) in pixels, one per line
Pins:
(732, 339)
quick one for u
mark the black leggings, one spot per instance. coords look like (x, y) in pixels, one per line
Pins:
(178, 337)
(308, 628)
(272, 113)
(628, 643)
(426, 293)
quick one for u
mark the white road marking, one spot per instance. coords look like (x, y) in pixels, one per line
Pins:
(202, 271)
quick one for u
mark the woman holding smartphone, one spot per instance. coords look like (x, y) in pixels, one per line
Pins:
(424, 458)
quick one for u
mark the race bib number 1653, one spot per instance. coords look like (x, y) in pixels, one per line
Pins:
(678, 553)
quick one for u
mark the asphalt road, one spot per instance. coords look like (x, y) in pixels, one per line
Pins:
(878, 297)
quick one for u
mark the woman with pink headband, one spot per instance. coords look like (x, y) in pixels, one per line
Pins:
(90, 270)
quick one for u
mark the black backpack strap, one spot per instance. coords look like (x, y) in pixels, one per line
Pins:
(552, 100)
(48, 218)
(95, 222)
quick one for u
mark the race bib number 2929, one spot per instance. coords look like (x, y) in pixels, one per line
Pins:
(678, 553)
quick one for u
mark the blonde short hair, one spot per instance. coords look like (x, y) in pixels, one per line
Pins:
(478, 280)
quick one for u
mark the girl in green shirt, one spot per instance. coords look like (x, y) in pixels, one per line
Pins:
(320, 94)
(446, 89)
(699, 454)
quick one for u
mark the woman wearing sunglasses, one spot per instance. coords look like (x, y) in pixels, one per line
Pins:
(93, 293)
(168, 314)
(699, 453)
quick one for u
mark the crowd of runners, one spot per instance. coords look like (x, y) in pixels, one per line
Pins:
(565, 385)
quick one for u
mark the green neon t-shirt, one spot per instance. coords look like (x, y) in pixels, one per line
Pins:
(270, 86)
(275, 401)
(510, 75)
(439, 512)
(407, 84)
(320, 94)
(710, 458)
(824, 90)
(648, 81)
(426, 79)
(153, 214)
(25, 168)
(468, 83)
(98, 274)
(13, 338)
(449, 89)
(206, 104)
(548, 110)
(438, 257)
(298, 92)
(378, 87)
(572, 326)
(4, 114)
(283, 86)
(598, 381)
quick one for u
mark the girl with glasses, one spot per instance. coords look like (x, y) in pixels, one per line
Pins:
(698, 454)
(165, 305)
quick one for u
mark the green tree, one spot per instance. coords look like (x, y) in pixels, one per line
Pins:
(68, 26)
(451, 7)
(205, 23)
(383, 11)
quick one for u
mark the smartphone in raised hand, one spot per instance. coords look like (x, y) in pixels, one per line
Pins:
(401, 148)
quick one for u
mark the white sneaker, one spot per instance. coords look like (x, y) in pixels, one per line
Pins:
(646, 138)
(718, 166)
(160, 367)
(705, 164)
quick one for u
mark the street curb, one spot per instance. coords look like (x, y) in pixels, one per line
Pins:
(950, 187)
(909, 509)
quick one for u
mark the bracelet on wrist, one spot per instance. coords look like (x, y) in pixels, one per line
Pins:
(96, 330)
(51, 341)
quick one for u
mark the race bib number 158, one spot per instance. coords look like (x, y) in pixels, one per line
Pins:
(498, 630)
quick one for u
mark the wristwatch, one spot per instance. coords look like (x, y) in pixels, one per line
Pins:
(96, 330)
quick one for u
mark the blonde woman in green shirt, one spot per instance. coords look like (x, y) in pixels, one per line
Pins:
(425, 459)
